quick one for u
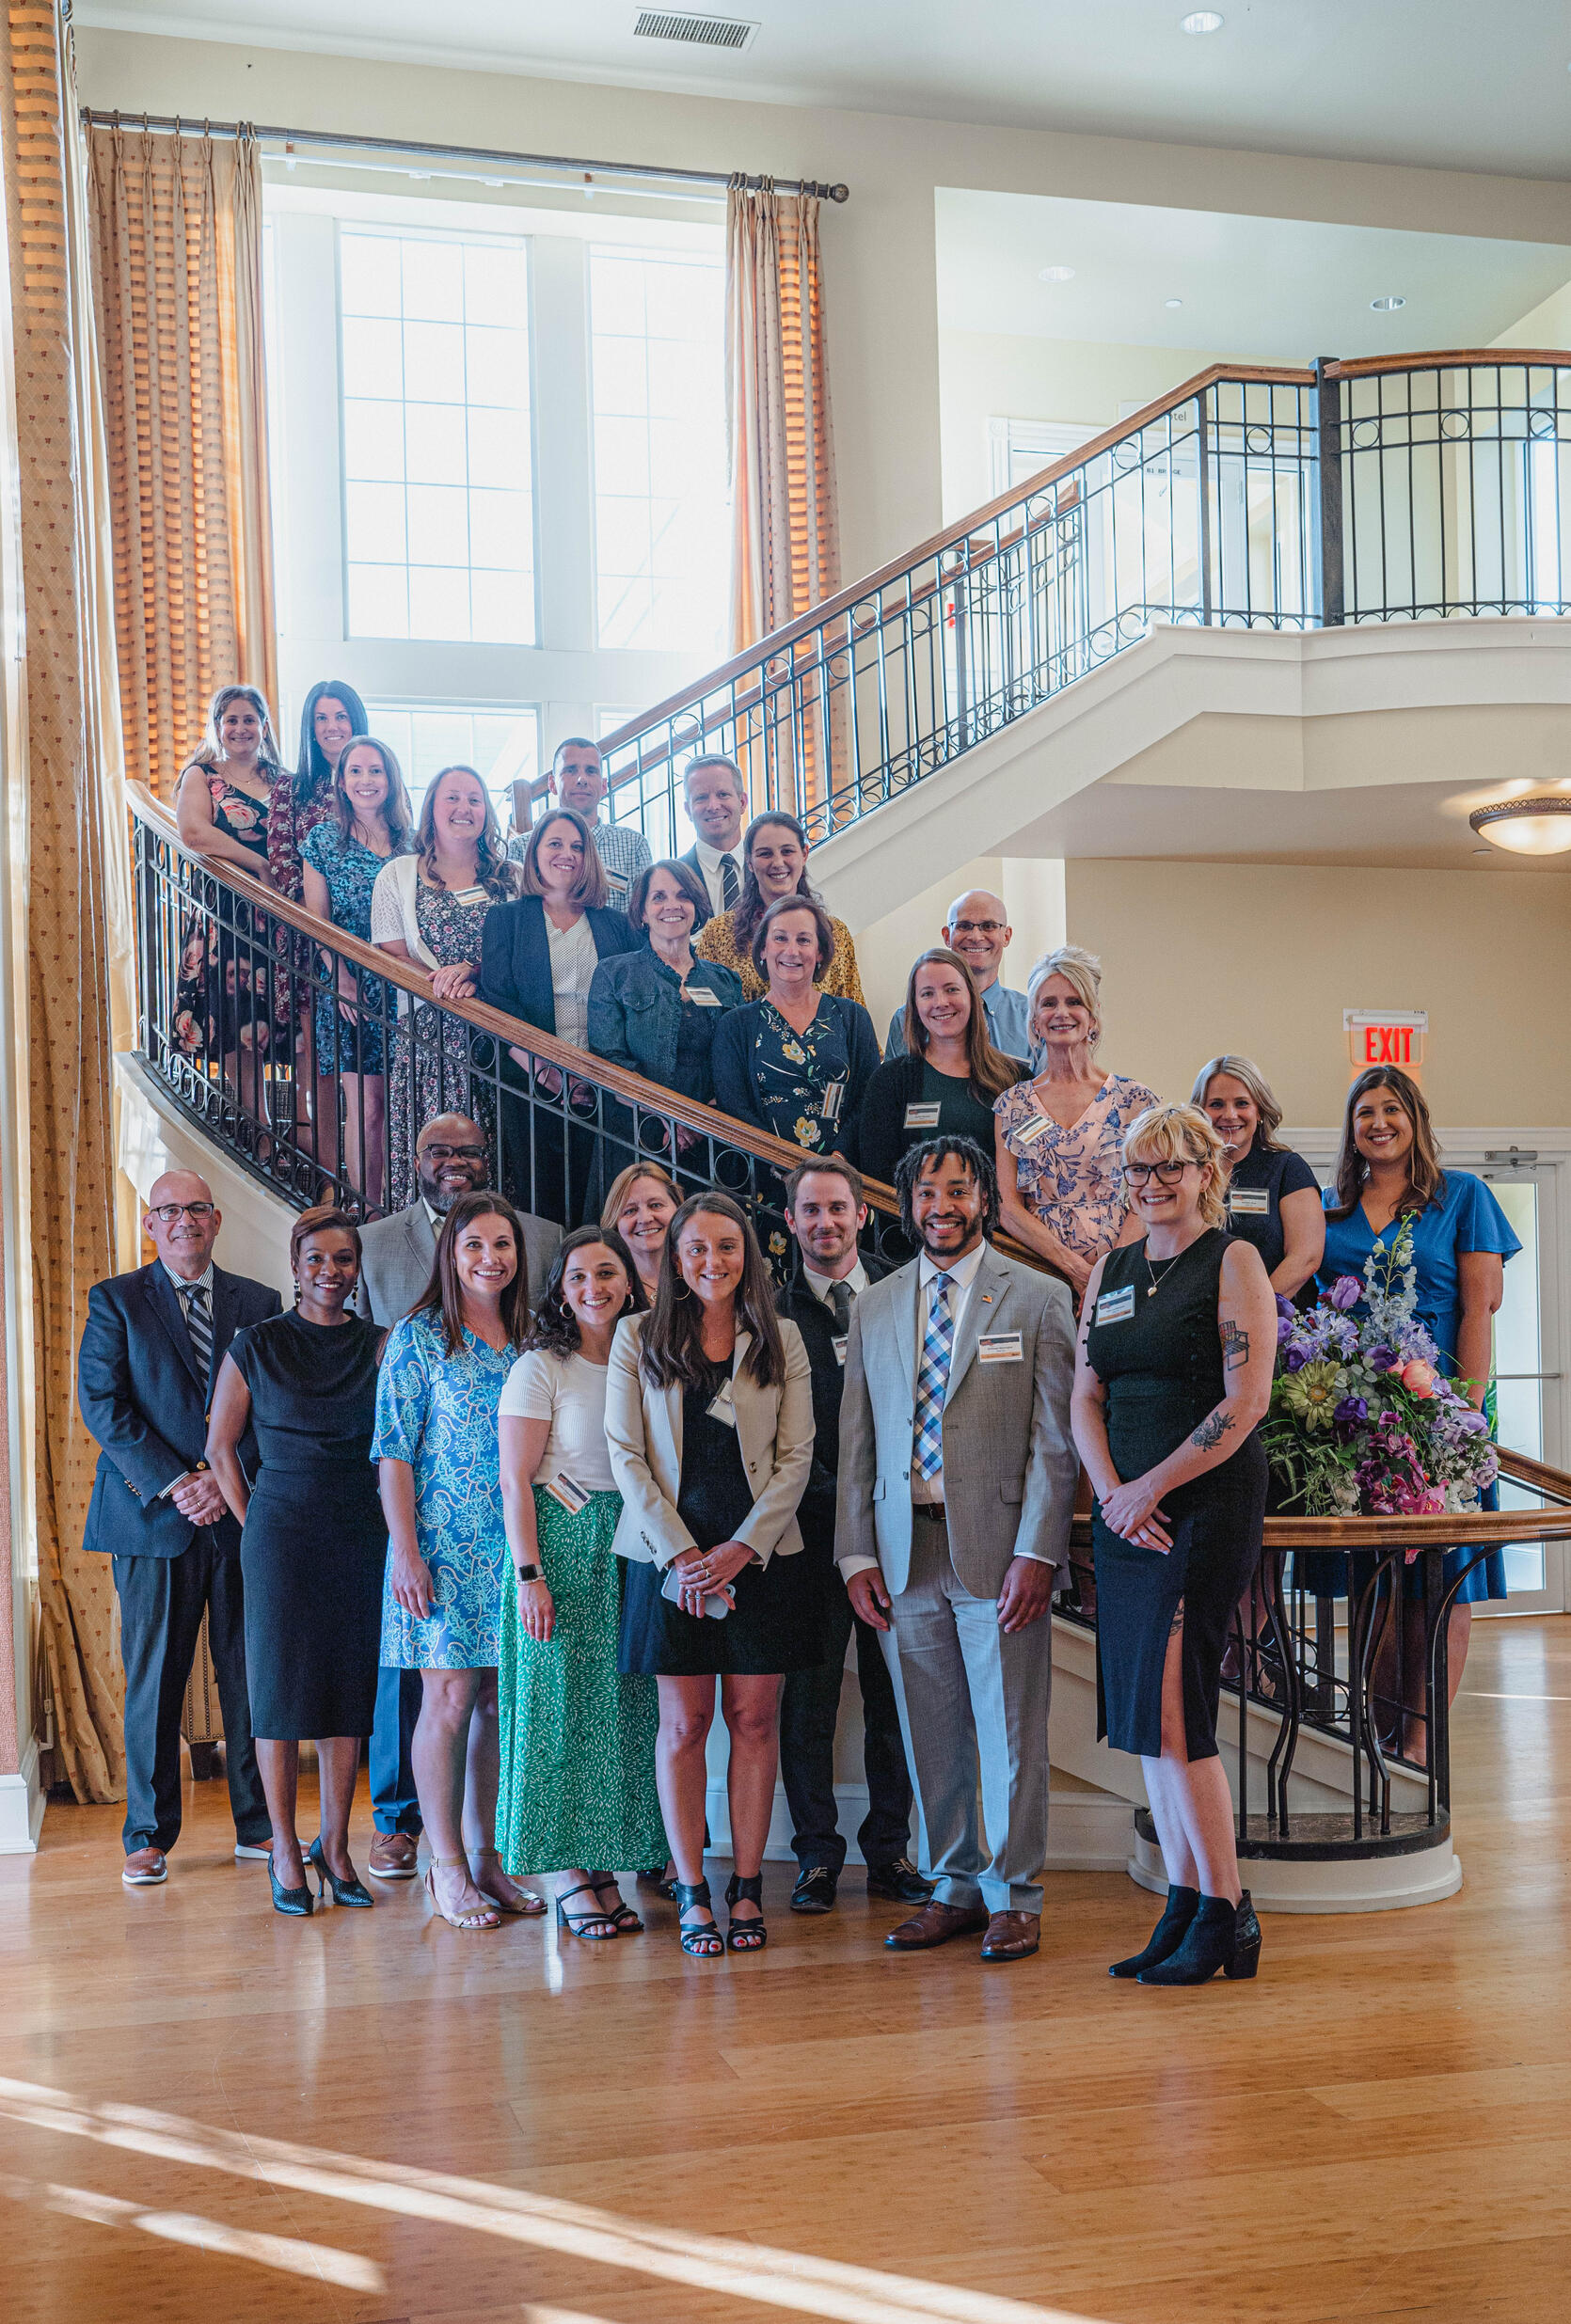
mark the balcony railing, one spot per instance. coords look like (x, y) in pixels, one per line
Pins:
(229, 976)
(1410, 487)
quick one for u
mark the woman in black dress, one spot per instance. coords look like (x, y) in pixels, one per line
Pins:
(314, 1543)
(1178, 1340)
(709, 1427)
(1273, 1195)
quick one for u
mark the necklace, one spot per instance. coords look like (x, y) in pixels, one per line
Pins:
(1166, 1266)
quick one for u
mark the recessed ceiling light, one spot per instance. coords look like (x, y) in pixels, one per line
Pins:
(1533, 826)
(1172, 302)
(1057, 273)
(1203, 20)
(1387, 306)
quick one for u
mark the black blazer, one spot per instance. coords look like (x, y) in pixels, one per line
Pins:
(730, 1062)
(816, 1323)
(515, 957)
(690, 859)
(144, 1405)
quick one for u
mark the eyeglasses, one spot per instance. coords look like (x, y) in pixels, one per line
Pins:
(453, 1153)
(167, 1212)
(1140, 1173)
(976, 927)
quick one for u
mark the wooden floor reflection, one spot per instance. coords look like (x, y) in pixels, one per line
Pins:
(209, 2112)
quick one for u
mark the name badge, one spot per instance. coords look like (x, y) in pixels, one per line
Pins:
(1117, 1306)
(828, 1110)
(471, 896)
(1001, 1348)
(1027, 1134)
(839, 1347)
(566, 1490)
(723, 1408)
(700, 996)
(1250, 1202)
(617, 886)
(921, 1116)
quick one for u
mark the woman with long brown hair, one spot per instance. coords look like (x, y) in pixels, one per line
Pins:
(774, 850)
(443, 1372)
(946, 1083)
(709, 1425)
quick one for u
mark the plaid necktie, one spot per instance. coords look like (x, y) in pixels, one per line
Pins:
(199, 1323)
(932, 1382)
(730, 886)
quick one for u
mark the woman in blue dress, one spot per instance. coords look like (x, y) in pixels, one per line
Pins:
(443, 1372)
(369, 821)
(1388, 1169)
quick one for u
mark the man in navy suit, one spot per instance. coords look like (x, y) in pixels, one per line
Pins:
(715, 800)
(150, 1350)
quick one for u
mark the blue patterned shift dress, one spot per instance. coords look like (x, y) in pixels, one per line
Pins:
(350, 870)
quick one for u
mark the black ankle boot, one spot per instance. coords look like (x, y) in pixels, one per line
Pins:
(1167, 1935)
(1221, 1937)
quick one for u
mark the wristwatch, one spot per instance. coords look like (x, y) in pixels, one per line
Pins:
(530, 1572)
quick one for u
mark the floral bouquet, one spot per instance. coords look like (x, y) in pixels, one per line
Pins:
(1363, 1421)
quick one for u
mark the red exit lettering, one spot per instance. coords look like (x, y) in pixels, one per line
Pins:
(1388, 1045)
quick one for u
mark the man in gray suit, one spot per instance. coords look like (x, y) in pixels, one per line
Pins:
(957, 1486)
(397, 1256)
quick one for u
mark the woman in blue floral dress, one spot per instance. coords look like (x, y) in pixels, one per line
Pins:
(368, 822)
(443, 1371)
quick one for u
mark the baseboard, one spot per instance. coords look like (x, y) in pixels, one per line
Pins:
(21, 1805)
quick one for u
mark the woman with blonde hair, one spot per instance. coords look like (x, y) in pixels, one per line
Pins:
(641, 1203)
(1273, 1194)
(1177, 1341)
(1056, 1138)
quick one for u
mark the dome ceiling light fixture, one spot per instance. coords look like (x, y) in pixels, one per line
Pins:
(1057, 273)
(1201, 20)
(1388, 306)
(1538, 824)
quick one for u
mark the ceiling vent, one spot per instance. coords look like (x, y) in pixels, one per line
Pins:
(697, 31)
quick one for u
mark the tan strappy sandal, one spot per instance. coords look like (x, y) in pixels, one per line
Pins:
(530, 1909)
(487, 1916)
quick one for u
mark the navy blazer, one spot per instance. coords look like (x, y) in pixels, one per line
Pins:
(515, 957)
(145, 1404)
(730, 1062)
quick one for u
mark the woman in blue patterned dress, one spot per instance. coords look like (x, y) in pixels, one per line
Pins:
(443, 1371)
(369, 821)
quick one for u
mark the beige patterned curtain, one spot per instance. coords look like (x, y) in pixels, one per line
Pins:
(67, 790)
(785, 523)
(176, 232)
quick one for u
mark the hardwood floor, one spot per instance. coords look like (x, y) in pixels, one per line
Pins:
(209, 2112)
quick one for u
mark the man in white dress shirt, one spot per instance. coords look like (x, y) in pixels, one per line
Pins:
(715, 798)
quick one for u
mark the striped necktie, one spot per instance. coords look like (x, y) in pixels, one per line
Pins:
(199, 1323)
(932, 1381)
(730, 886)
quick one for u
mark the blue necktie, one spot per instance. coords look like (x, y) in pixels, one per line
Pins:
(932, 1381)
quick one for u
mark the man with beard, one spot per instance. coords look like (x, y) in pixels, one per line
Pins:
(450, 1158)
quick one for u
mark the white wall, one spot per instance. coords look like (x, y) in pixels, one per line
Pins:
(1547, 325)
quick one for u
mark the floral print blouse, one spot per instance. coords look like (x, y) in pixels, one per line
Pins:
(287, 824)
(716, 940)
(1073, 1178)
(791, 1073)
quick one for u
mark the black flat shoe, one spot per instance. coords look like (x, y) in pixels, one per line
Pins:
(350, 1891)
(746, 1936)
(899, 1881)
(1167, 1935)
(814, 1890)
(296, 1903)
(1222, 1935)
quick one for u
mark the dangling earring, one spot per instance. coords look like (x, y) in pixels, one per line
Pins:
(296, 1290)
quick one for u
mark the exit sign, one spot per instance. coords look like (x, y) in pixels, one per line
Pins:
(1386, 1037)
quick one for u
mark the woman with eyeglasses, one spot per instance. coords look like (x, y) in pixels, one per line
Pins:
(1178, 1342)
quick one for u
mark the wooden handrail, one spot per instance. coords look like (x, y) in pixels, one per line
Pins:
(1451, 358)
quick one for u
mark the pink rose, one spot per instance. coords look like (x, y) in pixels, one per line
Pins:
(1418, 1378)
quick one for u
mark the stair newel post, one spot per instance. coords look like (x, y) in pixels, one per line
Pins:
(1328, 428)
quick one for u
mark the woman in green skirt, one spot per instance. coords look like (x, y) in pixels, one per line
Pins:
(578, 1794)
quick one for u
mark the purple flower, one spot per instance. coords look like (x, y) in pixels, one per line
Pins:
(1350, 1412)
(1382, 1358)
(1284, 1331)
(1345, 1292)
(1285, 1308)
(1296, 1358)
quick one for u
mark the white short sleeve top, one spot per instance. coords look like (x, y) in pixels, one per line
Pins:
(570, 1392)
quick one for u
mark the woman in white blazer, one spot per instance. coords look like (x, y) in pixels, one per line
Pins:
(709, 1425)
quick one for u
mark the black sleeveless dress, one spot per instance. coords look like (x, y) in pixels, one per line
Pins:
(1160, 1363)
(315, 1544)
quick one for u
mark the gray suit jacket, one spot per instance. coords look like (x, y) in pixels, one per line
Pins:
(398, 1254)
(1009, 1464)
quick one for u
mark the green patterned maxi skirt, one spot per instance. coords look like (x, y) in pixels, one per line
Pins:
(577, 1740)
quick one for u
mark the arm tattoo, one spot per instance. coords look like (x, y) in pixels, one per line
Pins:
(1235, 1346)
(1212, 1431)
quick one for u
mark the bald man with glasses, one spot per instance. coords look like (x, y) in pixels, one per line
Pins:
(978, 929)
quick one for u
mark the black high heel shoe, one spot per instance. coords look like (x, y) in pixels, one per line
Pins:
(704, 1940)
(296, 1903)
(1167, 1935)
(1222, 1935)
(746, 1936)
(352, 1891)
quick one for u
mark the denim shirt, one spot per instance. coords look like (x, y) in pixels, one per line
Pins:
(635, 1017)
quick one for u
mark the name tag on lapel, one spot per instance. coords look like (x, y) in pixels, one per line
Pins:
(700, 996)
(1250, 1202)
(921, 1116)
(1000, 1347)
(723, 1408)
(566, 1490)
(1117, 1306)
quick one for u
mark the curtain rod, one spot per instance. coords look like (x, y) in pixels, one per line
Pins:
(174, 125)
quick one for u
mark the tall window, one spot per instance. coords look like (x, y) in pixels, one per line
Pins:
(501, 746)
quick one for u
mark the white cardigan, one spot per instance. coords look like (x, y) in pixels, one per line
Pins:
(395, 917)
(643, 1435)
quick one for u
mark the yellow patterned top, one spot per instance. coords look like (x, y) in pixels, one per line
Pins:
(716, 940)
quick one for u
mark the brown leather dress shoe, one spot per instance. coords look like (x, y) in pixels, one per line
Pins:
(1012, 1935)
(144, 1868)
(934, 1926)
(393, 1856)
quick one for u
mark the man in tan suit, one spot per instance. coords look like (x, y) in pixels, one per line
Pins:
(957, 1486)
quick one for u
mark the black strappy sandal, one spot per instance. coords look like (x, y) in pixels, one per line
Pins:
(593, 1928)
(746, 1936)
(627, 1920)
(704, 1943)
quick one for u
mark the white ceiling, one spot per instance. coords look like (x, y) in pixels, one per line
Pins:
(1440, 82)
(1273, 289)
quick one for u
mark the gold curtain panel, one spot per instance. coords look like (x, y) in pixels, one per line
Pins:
(177, 267)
